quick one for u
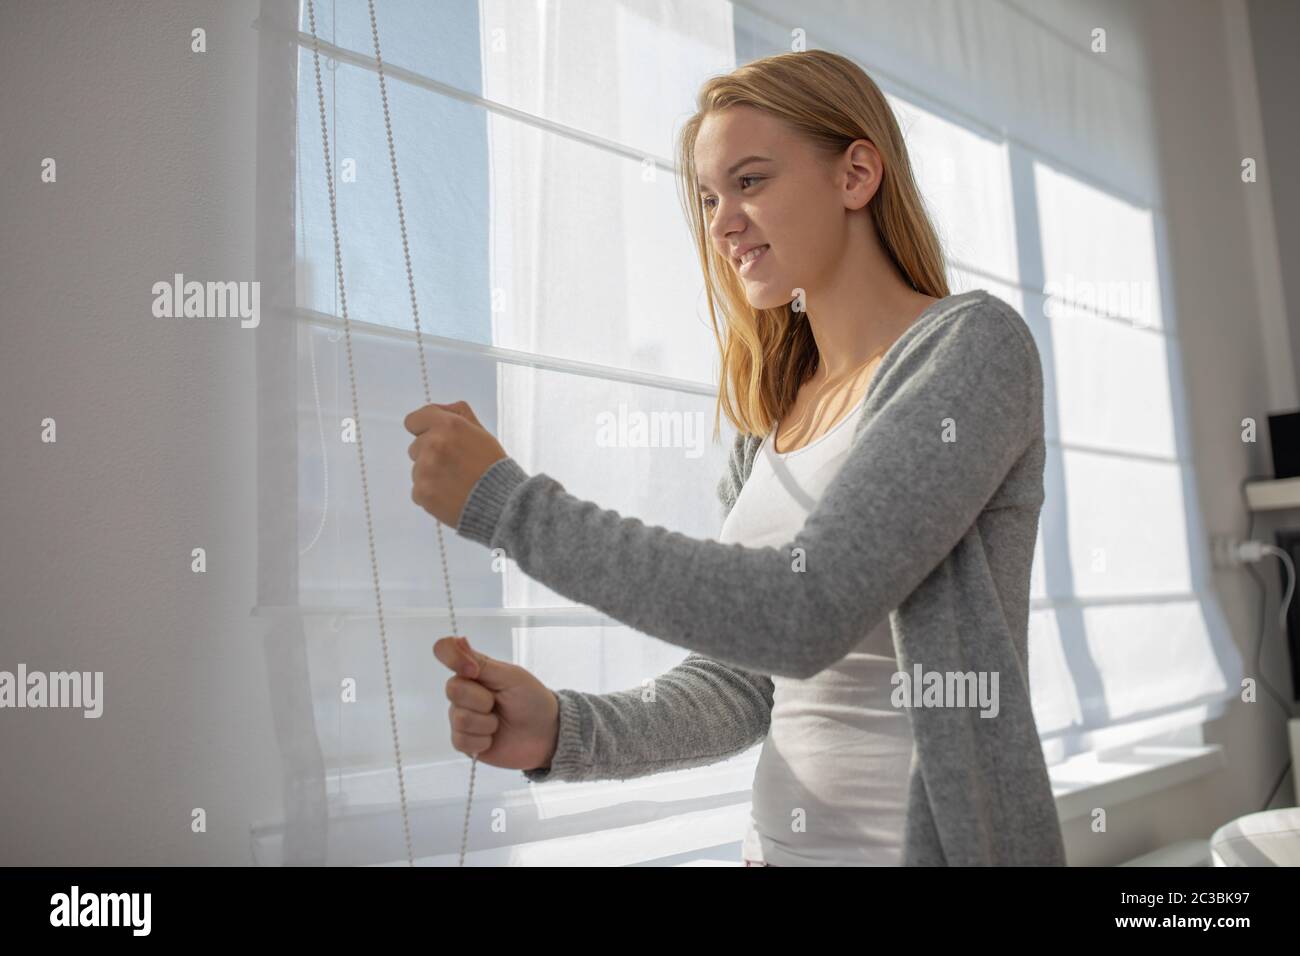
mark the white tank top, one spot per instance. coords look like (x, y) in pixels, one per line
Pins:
(830, 788)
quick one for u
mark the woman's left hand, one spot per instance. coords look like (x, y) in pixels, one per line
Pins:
(451, 452)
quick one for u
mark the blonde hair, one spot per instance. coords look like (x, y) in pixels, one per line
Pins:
(827, 98)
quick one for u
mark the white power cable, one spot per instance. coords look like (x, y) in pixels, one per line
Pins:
(1250, 552)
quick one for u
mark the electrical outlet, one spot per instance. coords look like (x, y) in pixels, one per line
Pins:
(1223, 550)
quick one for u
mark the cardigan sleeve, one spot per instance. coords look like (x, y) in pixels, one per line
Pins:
(702, 711)
(948, 414)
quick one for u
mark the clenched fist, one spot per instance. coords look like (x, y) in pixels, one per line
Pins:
(451, 452)
(499, 711)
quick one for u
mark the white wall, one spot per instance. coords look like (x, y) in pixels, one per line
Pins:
(155, 455)
(156, 439)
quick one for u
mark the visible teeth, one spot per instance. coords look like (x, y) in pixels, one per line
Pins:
(751, 254)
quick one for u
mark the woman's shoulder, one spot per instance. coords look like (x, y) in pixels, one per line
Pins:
(969, 331)
(972, 316)
(969, 342)
(971, 352)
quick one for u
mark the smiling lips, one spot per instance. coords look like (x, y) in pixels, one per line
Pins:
(748, 260)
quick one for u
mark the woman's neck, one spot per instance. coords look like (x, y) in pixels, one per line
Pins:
(861, 308)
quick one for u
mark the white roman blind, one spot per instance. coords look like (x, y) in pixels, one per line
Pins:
(559, 295)
(1030, 125)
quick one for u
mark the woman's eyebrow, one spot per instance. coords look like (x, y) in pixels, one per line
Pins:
(738, 164)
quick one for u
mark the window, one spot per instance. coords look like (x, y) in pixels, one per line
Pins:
(559, 295)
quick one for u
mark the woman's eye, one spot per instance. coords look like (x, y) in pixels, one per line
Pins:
(742, 180)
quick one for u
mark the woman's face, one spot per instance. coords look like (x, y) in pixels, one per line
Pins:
(792, 201)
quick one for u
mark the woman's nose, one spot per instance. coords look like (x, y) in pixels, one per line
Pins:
(723, 224)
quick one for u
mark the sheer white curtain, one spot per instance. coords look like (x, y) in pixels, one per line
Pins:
(560, 297)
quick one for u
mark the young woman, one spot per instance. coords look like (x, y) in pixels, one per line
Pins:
(864, 612)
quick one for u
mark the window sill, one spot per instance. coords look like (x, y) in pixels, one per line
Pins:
(1079, 784)
(1106, 778)
(691, 812)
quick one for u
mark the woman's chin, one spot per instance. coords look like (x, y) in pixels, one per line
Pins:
(763, 295)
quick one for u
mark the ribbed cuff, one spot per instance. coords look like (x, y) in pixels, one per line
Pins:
(568, 762)
(482, 510)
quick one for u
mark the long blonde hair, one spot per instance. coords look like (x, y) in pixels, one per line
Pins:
(768, 353)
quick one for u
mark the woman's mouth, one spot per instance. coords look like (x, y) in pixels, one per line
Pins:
(750, 260)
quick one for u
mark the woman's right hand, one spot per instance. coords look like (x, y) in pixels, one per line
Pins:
(499, 711)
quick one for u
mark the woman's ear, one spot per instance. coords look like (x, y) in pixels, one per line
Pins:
(863, 170)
